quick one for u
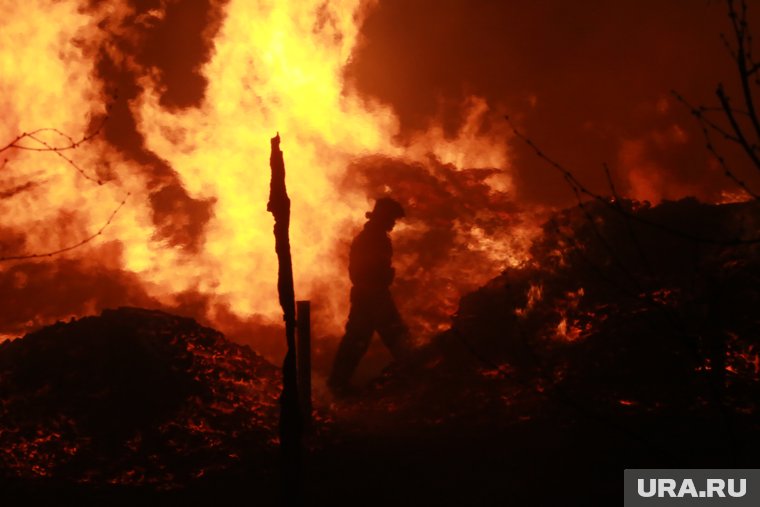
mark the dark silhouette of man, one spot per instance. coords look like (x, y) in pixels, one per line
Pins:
(372, 307)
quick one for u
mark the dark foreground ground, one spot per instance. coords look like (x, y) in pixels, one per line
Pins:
(551, 457)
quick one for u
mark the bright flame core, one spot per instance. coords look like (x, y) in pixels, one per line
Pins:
(275, 67)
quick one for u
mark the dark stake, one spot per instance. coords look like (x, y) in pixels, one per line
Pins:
(290, 417)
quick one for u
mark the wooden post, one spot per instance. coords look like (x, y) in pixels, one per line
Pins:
(303, 319)
(290, 410)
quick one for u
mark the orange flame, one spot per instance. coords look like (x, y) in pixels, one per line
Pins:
(275, 66)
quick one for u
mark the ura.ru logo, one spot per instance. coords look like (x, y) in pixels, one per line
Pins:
(719, 488)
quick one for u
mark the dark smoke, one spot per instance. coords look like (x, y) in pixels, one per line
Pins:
(38, 294)
(172, 47)
(583, 79)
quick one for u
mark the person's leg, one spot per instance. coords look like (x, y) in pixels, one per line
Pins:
(354, 345)
(391, 328)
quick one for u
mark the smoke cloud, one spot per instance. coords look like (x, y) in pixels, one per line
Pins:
(586, 81)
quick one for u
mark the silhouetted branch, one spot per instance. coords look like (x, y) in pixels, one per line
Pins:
(724, 165)
(740, 137)
(699, 112)
(707, 126)
(739, 133)
(580, 189)
(746, 67)
(743, 55)
(72, 246)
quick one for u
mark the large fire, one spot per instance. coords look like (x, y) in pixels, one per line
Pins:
(196, 176)
(603, 296)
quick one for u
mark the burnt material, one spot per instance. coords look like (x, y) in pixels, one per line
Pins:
(133, 398)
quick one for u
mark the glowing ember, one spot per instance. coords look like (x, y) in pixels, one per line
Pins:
(120, 398)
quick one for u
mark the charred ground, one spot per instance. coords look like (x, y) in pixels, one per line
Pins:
(132, 400)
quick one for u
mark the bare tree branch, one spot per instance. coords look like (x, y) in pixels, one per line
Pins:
(580, 189)
(724, 165)
(751, 150)
(743, 52)
(72, 246)
(748, 139)
(707, 125)
(699, 114)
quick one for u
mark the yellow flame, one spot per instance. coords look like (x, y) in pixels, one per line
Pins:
(276, 67)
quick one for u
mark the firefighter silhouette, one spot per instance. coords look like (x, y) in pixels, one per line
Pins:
(372, 307)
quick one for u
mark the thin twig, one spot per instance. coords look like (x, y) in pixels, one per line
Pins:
(73, 246)
(698, 113)
(739, 133)
(739, 23)
(724, 165)
(574, 182)
(707, 125)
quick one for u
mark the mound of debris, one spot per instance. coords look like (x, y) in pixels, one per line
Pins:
(133, 397)
(651, 305)
(623, 307)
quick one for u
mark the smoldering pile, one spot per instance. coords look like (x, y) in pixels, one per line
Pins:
(133, 397)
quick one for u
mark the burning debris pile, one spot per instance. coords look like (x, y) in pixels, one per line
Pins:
(623, 305)
(639, 302)
(133, 397)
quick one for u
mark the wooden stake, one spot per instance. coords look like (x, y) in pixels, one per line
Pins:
(291, 444)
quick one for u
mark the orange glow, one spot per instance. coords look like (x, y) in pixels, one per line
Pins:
(535, 293)
(567, 331)
(570, 329)
(275, 67)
